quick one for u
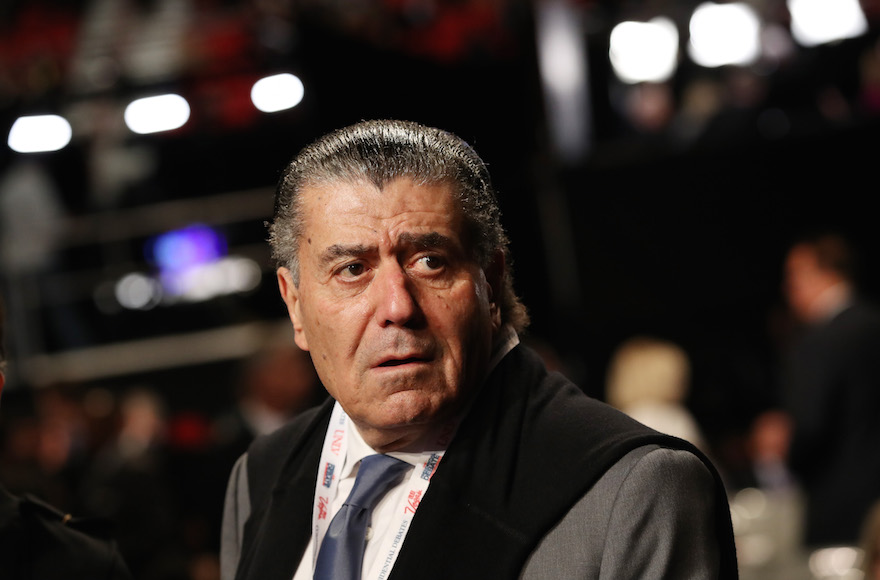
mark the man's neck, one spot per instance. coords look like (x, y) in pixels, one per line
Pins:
(389, 440)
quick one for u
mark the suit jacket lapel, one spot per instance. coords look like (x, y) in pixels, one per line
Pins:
(520, 460)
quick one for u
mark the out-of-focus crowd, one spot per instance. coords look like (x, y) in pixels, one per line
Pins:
(158, 476)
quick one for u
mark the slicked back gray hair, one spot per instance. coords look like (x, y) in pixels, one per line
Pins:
(378, 152)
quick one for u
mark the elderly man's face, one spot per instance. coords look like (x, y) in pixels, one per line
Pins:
(398, 317)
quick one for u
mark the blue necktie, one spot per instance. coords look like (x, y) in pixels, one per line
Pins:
(341, 554)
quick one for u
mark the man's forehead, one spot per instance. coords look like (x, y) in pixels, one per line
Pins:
(417, 241)
(399, 200)
(368, 225)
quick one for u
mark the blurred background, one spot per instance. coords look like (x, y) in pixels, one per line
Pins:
(654, 160)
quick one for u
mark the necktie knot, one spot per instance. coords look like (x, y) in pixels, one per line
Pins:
(375, 475)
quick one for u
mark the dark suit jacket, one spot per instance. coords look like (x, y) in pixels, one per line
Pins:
(833, 395)
(37, 542)
(531, 448)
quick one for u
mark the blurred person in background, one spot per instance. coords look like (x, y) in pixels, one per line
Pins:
(40, 542)
(767, 450)
(274, 384)
(129, 482)
(46, 443)
(831, 389)
(649, 380)
(277, 382)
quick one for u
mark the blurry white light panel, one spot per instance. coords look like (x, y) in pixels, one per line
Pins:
(724, 34)
(39, 133)
(156, 114)
(644, 51)
(562, 63)
(815, 22)
(277, 92)
(229, 275)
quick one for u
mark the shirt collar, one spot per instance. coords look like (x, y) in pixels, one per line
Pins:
(504, 343)
(357, 450)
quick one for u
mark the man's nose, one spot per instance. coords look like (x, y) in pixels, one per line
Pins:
(395, 302)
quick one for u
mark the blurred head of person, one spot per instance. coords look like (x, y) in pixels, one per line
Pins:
(647, 370)
(819, 276)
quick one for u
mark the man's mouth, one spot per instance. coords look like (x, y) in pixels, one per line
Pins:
(401, 361)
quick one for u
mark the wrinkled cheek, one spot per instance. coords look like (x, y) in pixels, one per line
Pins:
(328, 371)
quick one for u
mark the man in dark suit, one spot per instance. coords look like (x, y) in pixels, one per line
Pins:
(39, 542)
(393, 265)
(832, 393)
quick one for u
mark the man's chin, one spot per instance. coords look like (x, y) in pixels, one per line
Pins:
(405, 410)
(405, 418)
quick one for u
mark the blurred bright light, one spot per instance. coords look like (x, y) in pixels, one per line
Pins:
(644, 51)
(240, 274)
(835, 562)
(155, 114)
(39, 133)
(192, 267)
(751, 503)
(198, 283)
(562, 63)
(277, 92)
(563, 66)
(816, 22)
(724, 34)
(226, 276)
(137, 292)
(184, 248)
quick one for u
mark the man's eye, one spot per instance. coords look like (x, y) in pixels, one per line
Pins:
(430, 262)
(352, 270)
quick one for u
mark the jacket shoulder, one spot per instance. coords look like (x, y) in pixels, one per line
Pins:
(268, 454)
(58, 545)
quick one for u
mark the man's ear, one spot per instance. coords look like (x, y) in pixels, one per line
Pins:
(495, 278)
(290, 295)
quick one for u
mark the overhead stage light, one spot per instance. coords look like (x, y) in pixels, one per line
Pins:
(815, 22)
(644, 51)
(39, 133)
(277, 92)
(157, 114)
(724, 34)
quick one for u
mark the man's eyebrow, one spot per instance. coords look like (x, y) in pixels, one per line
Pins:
(337, 251)
(427, 241)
